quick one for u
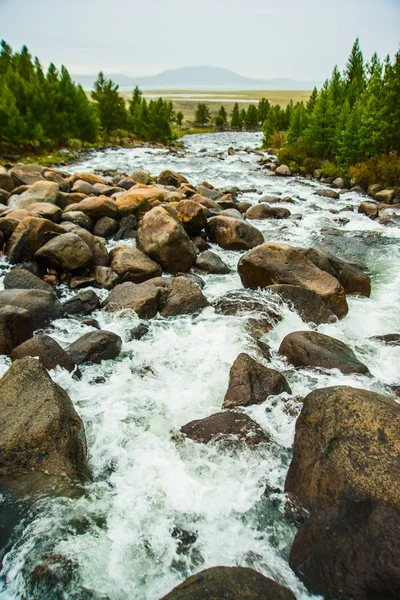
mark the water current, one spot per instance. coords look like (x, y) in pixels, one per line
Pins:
(160, 509)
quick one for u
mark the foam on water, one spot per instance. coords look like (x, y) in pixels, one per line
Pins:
(160, 507)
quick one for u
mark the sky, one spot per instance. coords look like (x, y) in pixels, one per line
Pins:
(296, 39)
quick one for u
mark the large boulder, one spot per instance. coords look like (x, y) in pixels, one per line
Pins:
(328, 193)
(162, 238)
(97, 246)
(353, 280)
(94, 347)
(47, 350)
(273, 263)
(385, 196)
(66, 252)
(138, 201)
(41, 191)
(21, 279)
(96, 208)
(45, 210)
(233, 234)
(133, 265)
(181, 296)
(42, 443)
(106, 227)
(16, 326)
(171, 178)
(307, 303)
(30, 234)
(77, 218)
(313, 349)
(6, 181)
(283, 171)
(41, 306)
(84, 303)
(228, 427)
(209, 262)
(264, 211)
(251, 383)
(229, 583)
(143, 298)
(105, 277)
(192, 216)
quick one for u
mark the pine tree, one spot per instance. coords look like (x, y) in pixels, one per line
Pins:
(322, 125)
(223, 114)
(312, 101)
(298, 124)
(236, 121)
(179, 118)
(354, 74)
(110, 105)
(202, 115)
(263, 108)
(252, 117)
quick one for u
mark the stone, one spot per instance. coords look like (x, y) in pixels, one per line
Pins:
(192, 216)
(182, 296)
(338, 183)
(105, 277)
(307, 303)
(374, 188)
(165, 241)
(171, 178)
(22, 279)
(283, 171)
(133, 265)
(42, 191)
(97, 246)
(45, 210)
(66, 199)
(313, 349)
(83, 187)
(208, 191)
(264, 211)
(232, 234)
(138, 332)
(138, 201)
(78, 218)
(43, 446)
(391, 339)
(47, 350)
(143, 298)
(385, 196)
(84, 303)
(88, 177)
(208, 203)
(141, 177)
(6, 182)
(243, 206)
(94, 347)
(8, 225)
(251, 383)
(229, 583)
(327, 193)
(272, 263)
(67, 252)
(232, 212)
(97, 207)
(29, 236)
(41, 306)
(16, 326)
(127, 228)
(105, 227)
(227, 427)
(369, 209)
(209, 262)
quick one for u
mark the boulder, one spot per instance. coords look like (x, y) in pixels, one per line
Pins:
(251, 383)
(21, 279)
(283, 171)
(41, 306)
(140, 176)
(138, 332)
(165, 241)
(228, 427)
(133, 265)
(209, 262)
(45, 210)
(66, 199)
(105, 227)
(6, 182)
(43, 445)
(211, 205)
(83, 187)
(272, 263)
(8, 225)
(16, 326)
(29, 236)
(138, 201)
(229, 583)
(94, 347)
(264, 211)
(105, 277)
(391, 339)
(232, 212)
(181, 296)
(127, 228)
(338, 183)
(78, 218)
(233, 234)
(313, 349)
(307, 303)
(67, 252)
(207, 190)
(327, 193)
(84, 303)
(97, 246)
(88, 177)
(98, 207)
(192, 216)
(41, 191)
(353, 280)
(143, 298)
(385, 196)
(171, 178)
(369, 209)
(47, 350)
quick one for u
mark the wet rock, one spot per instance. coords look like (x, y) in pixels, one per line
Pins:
(264, 211)
(209, 192)
(43, 444)
(97, 246)
(47, 350)
(84, 303)
(83, 187)
(127, 228)
(138, 201)
(41, 306)
(385, 196)
(171, 178)
(338, 183)
(133, 265)
(183, 296)
(391, 339)
(353, 280)
(66, 199)
(227, 427)
(201, 244)
(229, 583)
(369, 209)
(141, 177)
(81, 281)
(8, 225)
(22, 279)
(79, 218)
(42, 191)
(29, 236)
(138, 332)
(16, 326)
(226, 202)
(232, 212)
(233, 234)
(45, 210)
(94, 347)
(251, 383)
(211, 205)
(165, 241)
(192, 216)
(97, 208)
(283, 170)
(209, 262)
(6, 182)
(270, 264)
(105, 277)
(327, 193)
(307, 303)
(143, 298)
(312, 349)
(67, 252)
(4, 196)
(106, 227)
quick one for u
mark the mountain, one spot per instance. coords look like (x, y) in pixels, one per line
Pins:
(203, 77)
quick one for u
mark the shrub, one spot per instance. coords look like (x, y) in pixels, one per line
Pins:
(278, 139)
(384, 170)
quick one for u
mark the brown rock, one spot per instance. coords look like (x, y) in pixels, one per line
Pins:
(133, 265)
(77, 218)
(46, 211)
(183, 296)
(66, 252)
(283, 171)
(105, 277)
(30, 234)
(84, 303)
(369, 209)
(143, 298)
(98, 207)
(232, 234)
(41, 306)
(171, 178)
(22, 279)
(6, 182)
(97, 246)
(227, 426)
(307, 303)
(138, 201)
(94, 347)
(47, 350)
(15, 327)
(105, 227)
(209, 262)
(264, 211)
(42, 191)
(327, 193)
(192, 216)
(88, 177)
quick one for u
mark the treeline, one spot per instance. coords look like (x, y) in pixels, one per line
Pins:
(353, 119)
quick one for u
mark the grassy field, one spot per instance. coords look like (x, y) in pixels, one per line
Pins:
(228, 98)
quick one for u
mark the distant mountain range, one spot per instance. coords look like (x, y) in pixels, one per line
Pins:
(197, 78)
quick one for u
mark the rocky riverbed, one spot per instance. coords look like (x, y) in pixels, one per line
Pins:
(200, 365)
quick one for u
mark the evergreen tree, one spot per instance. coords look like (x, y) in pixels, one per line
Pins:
(223, 114)
(298, 124)
(110, 105)
(252, 117)
(322, 124)
(202, 115)
(263, 108)
(236, 121)
(312, 101)
(354, 74)
(179, 118)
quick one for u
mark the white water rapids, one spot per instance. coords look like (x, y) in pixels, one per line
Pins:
(160, 509)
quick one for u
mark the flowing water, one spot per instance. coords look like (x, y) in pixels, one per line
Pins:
(160, 508)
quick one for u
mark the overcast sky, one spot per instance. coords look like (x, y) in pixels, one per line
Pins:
(299, 39)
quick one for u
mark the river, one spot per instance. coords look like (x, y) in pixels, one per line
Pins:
(160, 509)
